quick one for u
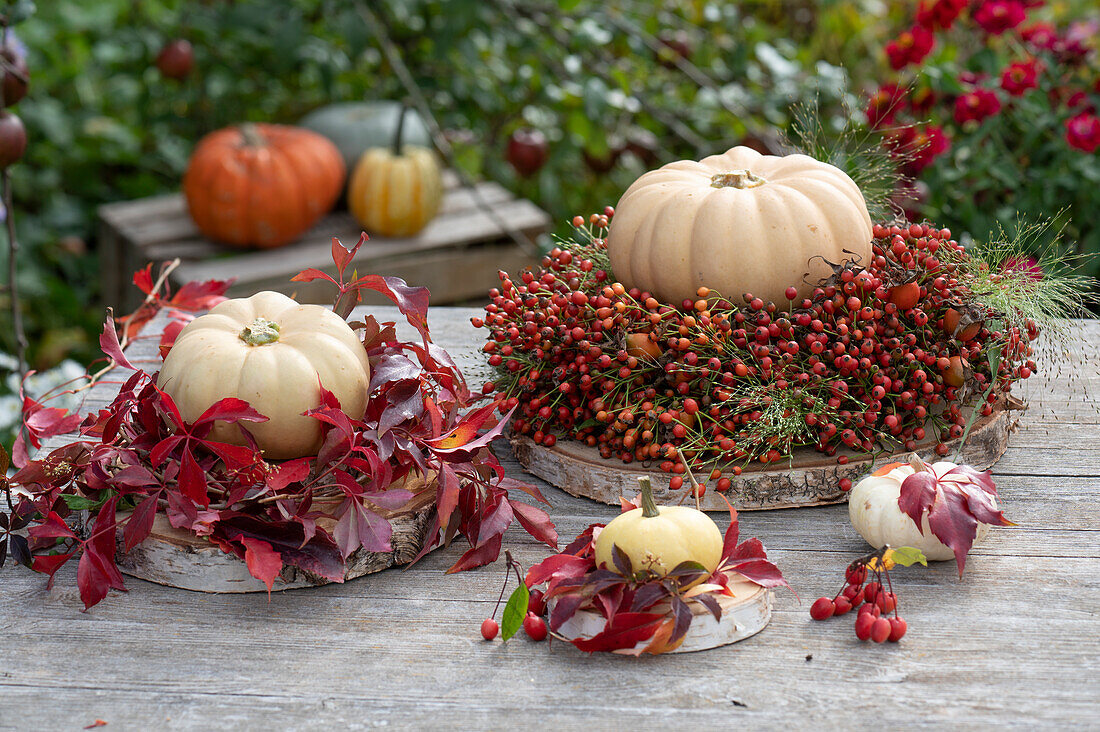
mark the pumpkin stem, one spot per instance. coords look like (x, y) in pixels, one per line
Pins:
(917, 464)
(736, 179)
(649, 508)
(400, 128)
(260, 332)
(251, 135)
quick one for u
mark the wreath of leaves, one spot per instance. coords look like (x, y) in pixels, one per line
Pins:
(421, 442)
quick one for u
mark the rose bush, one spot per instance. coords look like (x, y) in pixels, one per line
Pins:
(993, 112)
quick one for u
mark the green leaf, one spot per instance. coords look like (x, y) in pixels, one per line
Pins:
(80, 503)
(907, 556)
(514, 612)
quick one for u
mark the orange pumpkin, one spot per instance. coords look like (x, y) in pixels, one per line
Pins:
(260, 185)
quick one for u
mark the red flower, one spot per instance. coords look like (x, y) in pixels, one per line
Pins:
(1017, 78)
(976, 106)
(1024, 265)
(884, 104)
(911, 47)
(927, 144)
(1083, 132)
(1040, 36)
(940, 14)
(997, 16)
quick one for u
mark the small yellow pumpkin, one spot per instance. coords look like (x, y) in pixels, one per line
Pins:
(737, 222)
(395, 191)
(275, 354)
(660, 538)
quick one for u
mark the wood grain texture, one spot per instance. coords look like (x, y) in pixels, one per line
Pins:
(1013, 644)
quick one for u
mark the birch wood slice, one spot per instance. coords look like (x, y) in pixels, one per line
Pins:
(811, 479)
(178, 558)
(743, 615)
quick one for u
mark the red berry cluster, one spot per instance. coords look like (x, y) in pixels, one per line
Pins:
(874, 600)
(531, 604)
(882, 354)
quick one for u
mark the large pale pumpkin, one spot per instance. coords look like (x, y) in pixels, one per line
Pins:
(737, 222)
(395, 191)
(275, 354)
(261, 185)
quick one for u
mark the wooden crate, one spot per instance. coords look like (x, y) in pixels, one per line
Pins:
(456, 256)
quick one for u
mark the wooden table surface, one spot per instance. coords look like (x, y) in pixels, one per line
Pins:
(1015, 643)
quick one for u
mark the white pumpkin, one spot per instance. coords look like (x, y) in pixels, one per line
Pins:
(875, 515)
(275, 354)
(737, 222)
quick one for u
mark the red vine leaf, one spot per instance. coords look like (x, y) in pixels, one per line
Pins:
(536, 522)
(264, 563)
(141, 521)
(622, 632)
(478, 556)
(108, 341)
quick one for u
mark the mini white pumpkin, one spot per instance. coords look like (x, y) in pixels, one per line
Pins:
(875, 514)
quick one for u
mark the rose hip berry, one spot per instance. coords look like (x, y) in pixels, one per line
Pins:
(489, 629)
(534, 627)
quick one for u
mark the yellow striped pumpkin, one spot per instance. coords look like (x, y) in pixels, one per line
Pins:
(395, 195)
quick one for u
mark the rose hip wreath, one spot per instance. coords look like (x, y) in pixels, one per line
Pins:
(417, 445)
(885, 353)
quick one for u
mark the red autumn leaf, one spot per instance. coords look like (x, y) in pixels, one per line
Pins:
(163, 449)
(108, 341)
(411, 301)
(310, 274)
(495, 524)
(478, 556)
(234, 456)
(230, 409)
(91, 579)
(263, 562)
(342, 256)
(54, 527)
(361, 527)
(48, 564)
(143, 278)
(168, 336)
(537, 523)
(729, 541)
(192, 480)
(449, 489)
(48, 421)
(289, 472)
(917, 495)
(141, 521)
(393, 499)
(319, 556)
(953, 524)
(200, 295)
(749, 549)
(557, 566)
(761, 571)
(623, 631)
(393, 367)
(511, 484)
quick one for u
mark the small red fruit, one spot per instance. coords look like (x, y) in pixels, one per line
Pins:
(864, 622)
(535, 627)
(535, 603)
(954, 375)
(856, 575)
(15, 78)
(905, 296)
(880, 630)
(13, 138)
(870, 592)
(886, 601)
(176, 59)
(822, 608)
(489, 629)
(842, 605)
(870, 609)
(527, 151)
(898, 626)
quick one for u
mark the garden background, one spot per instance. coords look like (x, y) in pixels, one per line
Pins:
(994, 108)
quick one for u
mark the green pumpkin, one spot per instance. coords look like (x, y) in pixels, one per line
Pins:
(354, 127)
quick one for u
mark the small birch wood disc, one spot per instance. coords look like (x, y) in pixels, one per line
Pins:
(810, 479)
(178, 558)
(743, 615)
